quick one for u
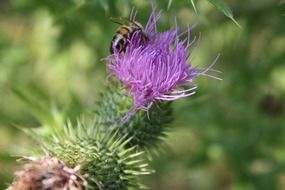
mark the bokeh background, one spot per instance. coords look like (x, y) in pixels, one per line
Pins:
(229, 136)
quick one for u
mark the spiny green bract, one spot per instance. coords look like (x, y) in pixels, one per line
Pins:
(102, 157)
(145, 128)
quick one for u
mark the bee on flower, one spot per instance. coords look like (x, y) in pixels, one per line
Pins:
(128, 26)
(156, 69)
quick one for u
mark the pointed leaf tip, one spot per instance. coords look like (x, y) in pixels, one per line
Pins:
(225, 9)
(194, 6)
(169, 4)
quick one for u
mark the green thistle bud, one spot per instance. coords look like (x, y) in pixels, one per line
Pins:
(146, 129)
(102, 157)
(106, 159)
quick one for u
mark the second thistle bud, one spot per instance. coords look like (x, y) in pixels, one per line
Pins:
(47, 173)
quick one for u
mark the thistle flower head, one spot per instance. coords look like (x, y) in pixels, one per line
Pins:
(156, 69)
(47, 173)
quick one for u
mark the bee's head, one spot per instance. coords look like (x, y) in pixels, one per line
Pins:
(118, 45)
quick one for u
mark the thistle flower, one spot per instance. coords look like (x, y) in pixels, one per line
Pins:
(156, 69)
(47, 173)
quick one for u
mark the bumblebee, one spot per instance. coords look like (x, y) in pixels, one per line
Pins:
(125, 32)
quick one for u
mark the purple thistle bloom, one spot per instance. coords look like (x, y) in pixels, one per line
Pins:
(157, 68)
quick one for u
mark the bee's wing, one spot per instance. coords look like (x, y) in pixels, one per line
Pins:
(121, 20)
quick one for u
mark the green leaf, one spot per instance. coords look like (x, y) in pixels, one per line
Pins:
(169, 4)
(104, 4)
(224, 8)
(281, 2)
(34, 106)
(194, 6)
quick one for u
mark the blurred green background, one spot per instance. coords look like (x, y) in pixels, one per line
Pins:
(229, 136)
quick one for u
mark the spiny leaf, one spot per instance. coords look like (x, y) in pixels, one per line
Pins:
(194, 6)
(225, 9)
